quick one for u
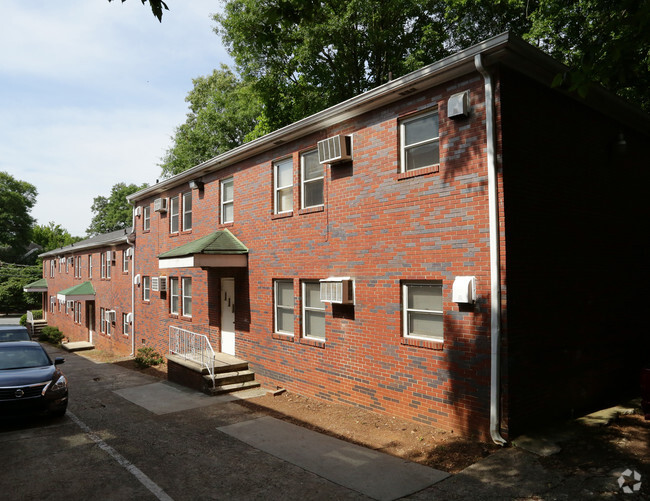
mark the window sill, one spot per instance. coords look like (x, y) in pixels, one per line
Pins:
(283, 337)
(422, 343)
(229, 224)
(419, 172)
(316, 343)
(311, 210)
(282, 215)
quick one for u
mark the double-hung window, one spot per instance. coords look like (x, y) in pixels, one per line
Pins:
(283, 302)
(146, 218)
(77, 312)
(173, 214)
(173, 295)
(311, 180)
(52, 267)
(77, 266)
(422, 310)
(420, 142)
(103, 264)
(283, 186)
(125, 261)
(313, 311)
(90, 266)
(187, 211)
(125, 324)
(109, 259)
(186, 291)
(102, 320)
(146, 288)
(227, 200)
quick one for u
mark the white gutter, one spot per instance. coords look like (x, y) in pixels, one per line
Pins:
(495, 277)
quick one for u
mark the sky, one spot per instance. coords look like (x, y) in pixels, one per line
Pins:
(91, 93)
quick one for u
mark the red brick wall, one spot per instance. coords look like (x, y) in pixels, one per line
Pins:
(381, 229)
(112, 294)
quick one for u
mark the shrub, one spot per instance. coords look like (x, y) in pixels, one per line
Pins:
(23, 320)
(147, 357)
(51, 334)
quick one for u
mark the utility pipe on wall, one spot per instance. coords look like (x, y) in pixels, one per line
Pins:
(495, 275)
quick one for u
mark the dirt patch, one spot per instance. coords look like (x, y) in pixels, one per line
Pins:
(100, 356)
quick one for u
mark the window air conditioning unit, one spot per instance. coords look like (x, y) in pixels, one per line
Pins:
(162, 284)
(136, 279)
(160, 205)
(335, 149)
(110, 316)
(71, 260)
(339, 290)
(138, 211)
(458, 105)
(62, 260)
(69, 304)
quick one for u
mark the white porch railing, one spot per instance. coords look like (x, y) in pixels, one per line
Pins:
(192, 346)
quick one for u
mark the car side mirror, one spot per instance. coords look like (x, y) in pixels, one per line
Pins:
(59, 360)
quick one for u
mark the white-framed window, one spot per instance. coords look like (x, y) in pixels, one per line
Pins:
(187, 211)
(313, 311)
(102, 260)
(109, 259)
(67, 265)
(125, 261)
(109, 326)
(419, 142)
(283, 305)
(186, 291)
(227, 200)
(173, 214)
(146, 288)
(52, 267)
(90, 266)
(61, 265)
(102, 320)
(283, 186)
(422, 310)
(125, 324)
(146, 218)
(174, 295)
(312, 178)
(77, 312)
(77, 266)
(52, 303)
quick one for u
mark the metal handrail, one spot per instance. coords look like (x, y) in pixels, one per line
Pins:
(192, 346)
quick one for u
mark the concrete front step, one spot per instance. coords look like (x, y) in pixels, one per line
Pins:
(230, 388)
(223, 378)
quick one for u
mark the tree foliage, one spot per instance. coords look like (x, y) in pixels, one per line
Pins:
(113, 213)
(12, 280)
(157, 7)
(52, 236)
(16, 201)
(224, 111)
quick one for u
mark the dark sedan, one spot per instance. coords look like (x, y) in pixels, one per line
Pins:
(14, 333)
(29, 381)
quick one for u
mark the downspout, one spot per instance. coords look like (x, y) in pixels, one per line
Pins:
(132, 244)
(495, 276)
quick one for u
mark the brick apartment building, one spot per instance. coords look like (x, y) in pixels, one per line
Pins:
(456, 247)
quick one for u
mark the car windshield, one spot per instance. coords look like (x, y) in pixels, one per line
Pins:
(22, 357)
(14, 335)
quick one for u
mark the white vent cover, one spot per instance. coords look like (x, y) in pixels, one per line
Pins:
(458, 105)
(162, 284)
(155, 284)
(339, 290)
(160, 205)
(335, 149)
(464, 290)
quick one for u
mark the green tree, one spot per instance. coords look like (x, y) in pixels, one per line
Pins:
(17, 198)
(306, 56)
(157, 7)
(223, 114)
(113, 213)
(12, 280)
(52, 236)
